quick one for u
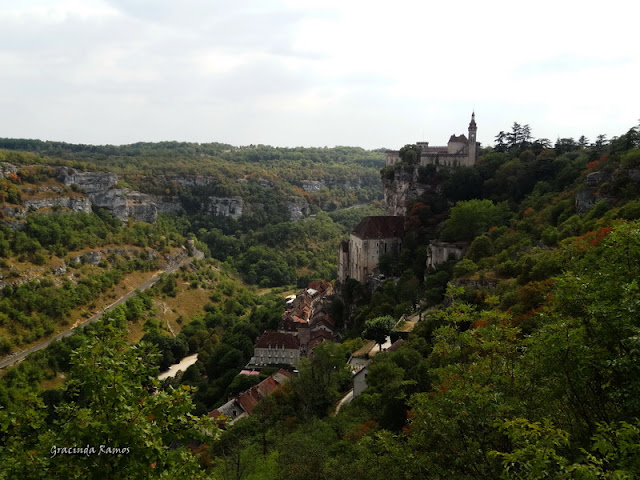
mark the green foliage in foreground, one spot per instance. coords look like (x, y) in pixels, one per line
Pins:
(109, 402)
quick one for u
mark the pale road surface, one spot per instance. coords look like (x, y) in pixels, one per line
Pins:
(16, 357)
(185, 363)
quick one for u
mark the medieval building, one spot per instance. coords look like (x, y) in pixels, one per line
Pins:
(459, 151)
(373, 237)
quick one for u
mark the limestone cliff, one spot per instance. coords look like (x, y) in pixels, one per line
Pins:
(298, 208)
(402, 186)
(223, 206)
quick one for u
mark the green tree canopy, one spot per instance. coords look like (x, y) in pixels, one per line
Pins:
(378, 329)
(471, 218)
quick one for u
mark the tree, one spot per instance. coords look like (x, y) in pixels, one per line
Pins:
(471, 218)
(410, 154)
(378, 329)
(110, 401)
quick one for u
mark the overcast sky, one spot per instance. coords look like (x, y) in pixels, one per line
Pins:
(315, 72)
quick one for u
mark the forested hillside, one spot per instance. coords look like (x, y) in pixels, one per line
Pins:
(524, 363)
(520, 363)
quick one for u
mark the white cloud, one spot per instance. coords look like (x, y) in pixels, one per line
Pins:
(321, 72)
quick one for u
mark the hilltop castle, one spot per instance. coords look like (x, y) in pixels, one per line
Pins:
(460, 151)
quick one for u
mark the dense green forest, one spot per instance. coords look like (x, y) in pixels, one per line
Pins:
(523, 365)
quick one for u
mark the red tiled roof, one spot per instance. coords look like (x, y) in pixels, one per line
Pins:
(318, 337)
(250, 398)
(277, 339)
(380, 227)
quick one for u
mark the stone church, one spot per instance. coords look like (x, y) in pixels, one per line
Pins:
(459, 151)
(374, 236)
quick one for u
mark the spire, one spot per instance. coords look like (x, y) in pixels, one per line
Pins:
(473, 120)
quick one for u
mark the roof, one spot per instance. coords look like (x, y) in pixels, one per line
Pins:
(380, 227)
(318, 337)
(461, 138)
(277, 339)
(395, 345)
(250, 398)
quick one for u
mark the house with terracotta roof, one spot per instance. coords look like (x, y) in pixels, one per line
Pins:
(276, 348)
(373, 237)
(244, 404)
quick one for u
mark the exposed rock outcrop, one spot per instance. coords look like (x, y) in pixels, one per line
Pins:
(312, 185)
(102, 192)
(141, 207)
(6, 169)
(403, 189)
(112, 200)
(298, 208)
(588, 196)
(89, 182)
(317, 185)
(167, 203)
(223, 206)
(76, 204)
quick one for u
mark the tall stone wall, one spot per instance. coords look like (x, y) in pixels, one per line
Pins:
(440, 252)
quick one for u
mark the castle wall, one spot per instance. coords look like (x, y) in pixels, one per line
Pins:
(393, 157)
(343, 261)
(440, 252)
(446, 160)
(457, 148)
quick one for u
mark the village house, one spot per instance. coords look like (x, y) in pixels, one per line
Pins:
(243, 405)
(307, 314)
(276, 348)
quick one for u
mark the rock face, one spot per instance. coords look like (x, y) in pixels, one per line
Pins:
(298, 208)
(312, 185)
(76, 204)
(90, 182)
(141, 207)
(194, 181)
(317, 185)
(223, 206)
(6, 169)
(588, 196)
(122, 203)
(166, 203)
(112, 200)
(403, 189)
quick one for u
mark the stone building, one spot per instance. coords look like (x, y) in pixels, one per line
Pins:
(459, 151)
(439, 252)
(373, 237)
(276, 348)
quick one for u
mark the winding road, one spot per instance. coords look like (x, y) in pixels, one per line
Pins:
(16, 357)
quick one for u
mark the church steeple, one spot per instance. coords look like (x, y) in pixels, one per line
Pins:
(473, 148)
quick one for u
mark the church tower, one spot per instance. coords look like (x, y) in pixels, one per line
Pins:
(473, 146)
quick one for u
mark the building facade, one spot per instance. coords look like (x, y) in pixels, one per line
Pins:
(373, 237)
(276, 348)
